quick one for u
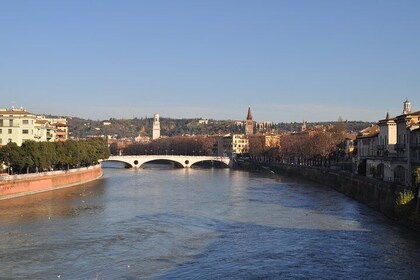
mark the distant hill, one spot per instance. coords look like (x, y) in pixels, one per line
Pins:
(121, 128)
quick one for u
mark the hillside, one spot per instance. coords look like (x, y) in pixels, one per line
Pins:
(120, 128)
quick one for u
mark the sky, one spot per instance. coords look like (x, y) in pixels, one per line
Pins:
(289, 60)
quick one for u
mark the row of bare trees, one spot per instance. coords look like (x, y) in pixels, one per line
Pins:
(315, 148)
(177, 145)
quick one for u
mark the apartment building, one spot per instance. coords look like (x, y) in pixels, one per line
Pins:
(16, 125)
(230, 144)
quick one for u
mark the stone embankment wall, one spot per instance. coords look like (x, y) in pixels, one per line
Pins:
(18, 185)
(378, 195)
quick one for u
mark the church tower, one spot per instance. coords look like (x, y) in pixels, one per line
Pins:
(156, 127)
(407, 107)
(249, 123)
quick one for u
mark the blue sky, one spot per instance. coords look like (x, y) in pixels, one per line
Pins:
(289, 60)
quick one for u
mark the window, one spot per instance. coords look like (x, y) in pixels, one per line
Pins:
(25, 122)
(9, 140)
(25, 131)
(1, 122)
(1, 141)
(10, 122)
(9, 131)
(1, 131)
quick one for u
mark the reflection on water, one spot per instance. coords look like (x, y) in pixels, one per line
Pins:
(160, 222)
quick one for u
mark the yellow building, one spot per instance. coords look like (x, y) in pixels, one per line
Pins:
(230, 144)
(16, 125)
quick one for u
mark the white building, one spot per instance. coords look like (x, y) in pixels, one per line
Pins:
(44, 131)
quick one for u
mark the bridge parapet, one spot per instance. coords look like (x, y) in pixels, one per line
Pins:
(137, 161)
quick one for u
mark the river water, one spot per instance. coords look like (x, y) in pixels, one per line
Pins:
(164, 223)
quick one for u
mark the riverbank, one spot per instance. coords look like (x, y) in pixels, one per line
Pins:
(378, 195)
(18, 185)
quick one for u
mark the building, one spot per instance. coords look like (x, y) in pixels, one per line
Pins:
(230, 145)
(156, 127)
(16, 125)
(264, 127)
(60, 124)
(44, 131)
(249, 123)
(391, 151)
(62, 131)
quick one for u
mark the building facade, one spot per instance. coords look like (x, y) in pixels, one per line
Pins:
(391, 151)
(17, 126)
(230, 145)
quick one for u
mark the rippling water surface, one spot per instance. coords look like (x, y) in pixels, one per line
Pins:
(163, 223)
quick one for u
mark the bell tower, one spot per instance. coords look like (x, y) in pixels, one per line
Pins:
(407, 107)
(156, 127)
(249, 123)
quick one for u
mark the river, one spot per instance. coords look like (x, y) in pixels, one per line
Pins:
(164, 223)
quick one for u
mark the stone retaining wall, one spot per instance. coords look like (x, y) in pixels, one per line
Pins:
(17, 185)
(378, 195)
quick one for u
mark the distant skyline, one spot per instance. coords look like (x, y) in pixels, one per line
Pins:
(288, 60)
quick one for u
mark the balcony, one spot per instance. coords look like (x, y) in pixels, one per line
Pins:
(400, 147)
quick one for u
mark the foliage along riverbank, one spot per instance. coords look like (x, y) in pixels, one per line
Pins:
(34, 156)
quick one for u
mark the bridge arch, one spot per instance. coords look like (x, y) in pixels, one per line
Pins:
(177, 163)
(137, 161)
(218, 162)
(126, 164)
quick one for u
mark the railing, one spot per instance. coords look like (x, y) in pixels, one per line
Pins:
(380, 147)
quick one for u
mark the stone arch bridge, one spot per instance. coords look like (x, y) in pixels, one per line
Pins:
(184, 161)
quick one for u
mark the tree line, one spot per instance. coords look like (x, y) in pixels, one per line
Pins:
(177, 145)
(44, 156)
(314, 148)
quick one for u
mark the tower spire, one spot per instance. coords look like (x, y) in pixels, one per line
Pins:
(249, 116)
(249, 123)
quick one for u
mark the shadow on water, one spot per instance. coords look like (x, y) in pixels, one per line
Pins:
(61, 202)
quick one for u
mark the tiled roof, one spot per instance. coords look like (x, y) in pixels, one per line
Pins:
(370, 131)
(59, 124)
(14, 112)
